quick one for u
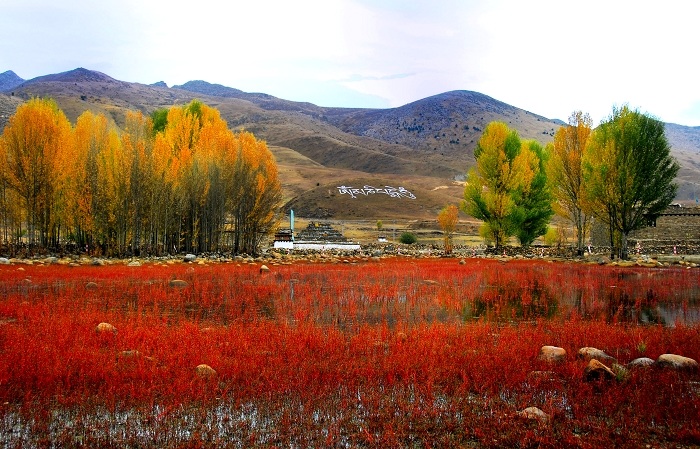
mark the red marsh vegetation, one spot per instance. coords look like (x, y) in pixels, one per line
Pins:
(391, 353)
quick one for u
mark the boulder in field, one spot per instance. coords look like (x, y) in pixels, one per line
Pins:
(190, 258)
(105, 328)
(589, 353)
(4, 261)
(535, 414)
(596, 370)
(552, 354)
(91, 286)
(264, 268)
(205, 371)
(677, 362)
(178, 283)
(641, 362)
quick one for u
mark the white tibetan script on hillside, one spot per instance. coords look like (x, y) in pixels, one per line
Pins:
(394, 192)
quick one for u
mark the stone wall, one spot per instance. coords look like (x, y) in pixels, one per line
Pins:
(677, 231)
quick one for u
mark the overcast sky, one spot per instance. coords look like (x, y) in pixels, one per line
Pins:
(548, 57)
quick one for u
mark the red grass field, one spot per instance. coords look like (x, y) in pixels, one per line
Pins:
(396, 353)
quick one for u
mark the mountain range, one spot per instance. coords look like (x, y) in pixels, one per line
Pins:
(425, 147)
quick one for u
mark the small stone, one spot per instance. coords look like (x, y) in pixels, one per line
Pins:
(130, 354)
(677, 362)
(103, 328)
(264, 268)
(462, 262)
(588, 353)
(134, 263)
(596, 370)
(535, 414)
(205, 371)
(641, 362)
(190, 258)
(4, 261)
(552, 354)
(178, 283)
(97, 262)
(91, 286)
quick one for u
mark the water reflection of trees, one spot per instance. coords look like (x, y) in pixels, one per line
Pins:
(588, 292)
(510, 301)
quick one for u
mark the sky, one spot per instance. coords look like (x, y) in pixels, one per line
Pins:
(550, 57)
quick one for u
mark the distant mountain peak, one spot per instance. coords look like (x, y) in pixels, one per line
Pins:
(9, 80)
(78, 75)
(206, 88)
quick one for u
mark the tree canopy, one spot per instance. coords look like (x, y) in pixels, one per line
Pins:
(179, 180)
(629, 173)
(447, 219)
(565, 174)
(507, 187)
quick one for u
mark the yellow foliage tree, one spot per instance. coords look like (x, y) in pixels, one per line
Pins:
(34, 150)
(565, 174)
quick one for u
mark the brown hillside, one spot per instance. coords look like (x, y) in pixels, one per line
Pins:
(424, 146)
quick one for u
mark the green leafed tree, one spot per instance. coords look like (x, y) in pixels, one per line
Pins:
(489, 183)
(533, 197)
(506, 188)
(629, 173)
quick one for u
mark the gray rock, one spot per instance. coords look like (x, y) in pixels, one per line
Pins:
(677, 362)
(4, 261)
(190, 258)
(641, 362)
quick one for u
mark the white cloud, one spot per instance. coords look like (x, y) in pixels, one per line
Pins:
(546, 56)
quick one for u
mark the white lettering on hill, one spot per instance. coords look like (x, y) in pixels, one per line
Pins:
(394, 192)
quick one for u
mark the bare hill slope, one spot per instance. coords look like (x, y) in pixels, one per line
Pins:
(426, 146)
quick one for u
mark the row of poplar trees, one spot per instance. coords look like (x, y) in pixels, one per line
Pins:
(177, 180)
(620, 174)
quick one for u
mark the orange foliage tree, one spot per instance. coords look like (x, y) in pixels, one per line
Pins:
(187, 183)
(447, 219)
